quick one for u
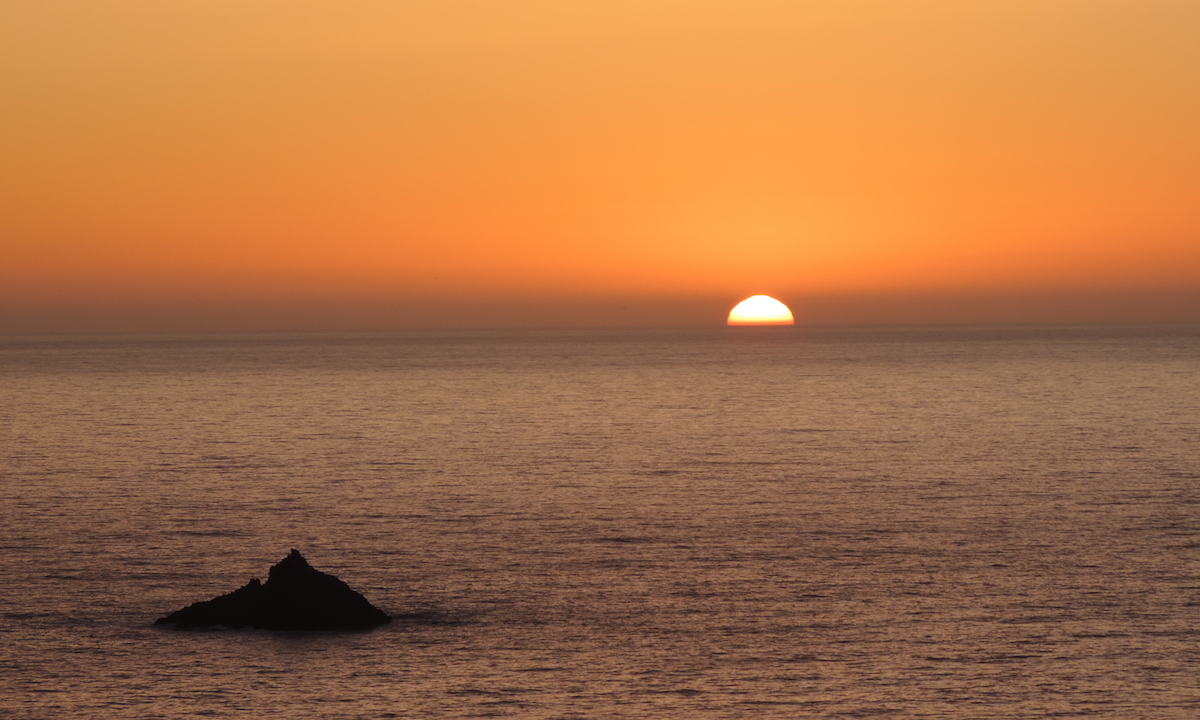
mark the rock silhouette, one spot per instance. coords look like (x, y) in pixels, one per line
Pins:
(295, 596)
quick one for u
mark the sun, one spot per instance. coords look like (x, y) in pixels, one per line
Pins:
(760, 310)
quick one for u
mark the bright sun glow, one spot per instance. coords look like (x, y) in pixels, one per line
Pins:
(760, 310)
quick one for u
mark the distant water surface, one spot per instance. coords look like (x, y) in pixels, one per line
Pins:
(714, 523)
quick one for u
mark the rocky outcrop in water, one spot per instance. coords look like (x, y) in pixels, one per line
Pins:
(295, 596)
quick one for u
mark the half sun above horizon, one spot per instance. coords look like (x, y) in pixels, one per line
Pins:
(760, 310)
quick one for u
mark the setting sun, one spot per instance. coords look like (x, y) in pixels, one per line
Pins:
(760, 310)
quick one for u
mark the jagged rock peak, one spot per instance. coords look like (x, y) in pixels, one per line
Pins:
(293, 563)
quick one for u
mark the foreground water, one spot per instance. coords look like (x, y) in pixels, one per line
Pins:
(719, 523)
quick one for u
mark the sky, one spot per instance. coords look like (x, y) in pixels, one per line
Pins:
(367, 164)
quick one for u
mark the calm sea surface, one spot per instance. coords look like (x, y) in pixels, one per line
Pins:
(715, 523)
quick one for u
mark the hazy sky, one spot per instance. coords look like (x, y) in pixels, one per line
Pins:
(241, 164)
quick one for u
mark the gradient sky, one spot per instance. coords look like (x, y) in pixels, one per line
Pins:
(282, 164)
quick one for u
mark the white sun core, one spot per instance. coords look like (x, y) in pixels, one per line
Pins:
(760, 310)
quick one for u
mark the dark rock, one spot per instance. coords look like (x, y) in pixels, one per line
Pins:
(295, 597)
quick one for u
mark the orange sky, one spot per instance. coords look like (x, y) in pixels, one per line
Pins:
(281, 164)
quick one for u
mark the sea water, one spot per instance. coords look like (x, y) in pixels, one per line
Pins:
(684, 523)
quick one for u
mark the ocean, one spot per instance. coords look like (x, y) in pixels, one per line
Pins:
(977, 522)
